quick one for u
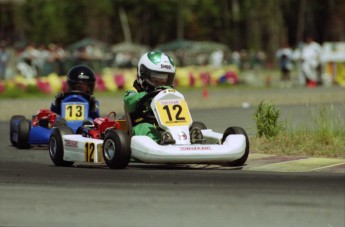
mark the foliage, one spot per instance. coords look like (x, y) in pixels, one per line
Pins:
(22, 92)
(322, 136)
(267, 123)
(250, 24)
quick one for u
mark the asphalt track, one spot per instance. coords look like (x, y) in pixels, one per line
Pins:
(267, 191)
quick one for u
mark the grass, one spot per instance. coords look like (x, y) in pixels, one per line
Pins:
(322, 136)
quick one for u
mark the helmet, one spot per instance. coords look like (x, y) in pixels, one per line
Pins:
(81, 78)
(155, 69)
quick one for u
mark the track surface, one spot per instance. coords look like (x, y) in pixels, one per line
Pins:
(268, 191)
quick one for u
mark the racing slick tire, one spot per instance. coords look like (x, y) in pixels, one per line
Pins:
(56, 149)
(12, 127)
(23, 134)
(116, 149)
(199, 125)
(237, 130)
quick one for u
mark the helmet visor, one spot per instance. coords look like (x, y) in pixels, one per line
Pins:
(159, 78)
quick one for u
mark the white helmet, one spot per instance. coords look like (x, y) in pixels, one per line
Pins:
(155, 69)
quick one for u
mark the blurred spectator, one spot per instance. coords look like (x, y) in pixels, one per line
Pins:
(4, 59)
(309, 56)
(202, 59)
(217, 58)
(42, 57)
(123, 60)
(284, 55)
(80, 56)
(244, 59)
(236, 58)
(27, 58)
(59, 55)
(26, 69)
(261, 59)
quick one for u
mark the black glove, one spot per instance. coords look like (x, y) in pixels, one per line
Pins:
(60, 95)
(92, 102)
(58, 98)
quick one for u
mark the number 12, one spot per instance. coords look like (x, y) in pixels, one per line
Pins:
(177, 115)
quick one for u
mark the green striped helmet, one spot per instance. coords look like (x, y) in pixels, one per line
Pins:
(155, 69)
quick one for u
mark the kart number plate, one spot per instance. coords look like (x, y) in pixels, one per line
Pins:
(173, 112)
(74, 112)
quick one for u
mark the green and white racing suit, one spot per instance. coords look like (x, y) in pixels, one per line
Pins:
(140, 126)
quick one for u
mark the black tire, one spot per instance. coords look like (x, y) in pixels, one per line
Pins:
(24, 127)
(116, 149)
(199, 125)
(12, 127)
(55, 145)
(237, 130)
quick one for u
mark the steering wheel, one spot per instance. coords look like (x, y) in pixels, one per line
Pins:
(143, 105)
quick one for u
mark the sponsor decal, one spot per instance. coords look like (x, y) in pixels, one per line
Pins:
(70, 143)
(98, 121)
(182, 136)
(203, 148)
(170, 102)
(82, 76)
(165, 66)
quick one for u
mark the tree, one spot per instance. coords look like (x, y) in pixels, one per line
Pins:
(248, 24)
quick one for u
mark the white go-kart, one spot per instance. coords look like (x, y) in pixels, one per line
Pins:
(187, 141)
(183, 141)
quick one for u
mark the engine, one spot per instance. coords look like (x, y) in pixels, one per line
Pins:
(100, 126)
(44, 118)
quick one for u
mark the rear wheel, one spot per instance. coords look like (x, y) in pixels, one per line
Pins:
(116, 149)
(56, 149)
(13, 125)
(23, 134)
(238, 131)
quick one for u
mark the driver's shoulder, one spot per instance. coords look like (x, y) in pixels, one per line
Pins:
(131, 91)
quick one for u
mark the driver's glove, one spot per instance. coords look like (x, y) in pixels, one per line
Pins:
(93, 106)
(58, 98)
(60, 95)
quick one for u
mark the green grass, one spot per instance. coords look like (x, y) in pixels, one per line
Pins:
(322, 136)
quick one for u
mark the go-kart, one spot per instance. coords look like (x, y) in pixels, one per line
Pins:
(25, 132)
(189, 142)
(171, 112)
(103, 140)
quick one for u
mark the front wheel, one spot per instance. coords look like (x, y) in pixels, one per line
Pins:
(13, 127)
(24, 127)
(56, 149)
(237, 131)
(116, 149)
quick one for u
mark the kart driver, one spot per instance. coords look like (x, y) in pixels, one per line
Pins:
(81, 79)
(156, 70)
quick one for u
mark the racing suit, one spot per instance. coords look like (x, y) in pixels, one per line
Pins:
(93, 103)
(140, 125)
